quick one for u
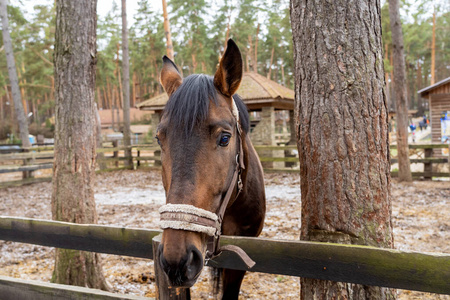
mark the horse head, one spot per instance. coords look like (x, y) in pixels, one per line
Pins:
(201, 155)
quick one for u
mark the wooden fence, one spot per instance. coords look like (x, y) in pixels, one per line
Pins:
(273, 158)
(40, 158)
(423, 153)
(427, 272)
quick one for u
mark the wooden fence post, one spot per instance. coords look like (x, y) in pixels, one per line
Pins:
(138, 159)
(116, 153)
(428, 166)
(27, 161)
(163, 291)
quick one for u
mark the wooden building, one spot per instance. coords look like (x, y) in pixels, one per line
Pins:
(438, 96)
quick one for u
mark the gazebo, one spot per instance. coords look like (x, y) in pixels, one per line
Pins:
(438, 96)
(259, 94)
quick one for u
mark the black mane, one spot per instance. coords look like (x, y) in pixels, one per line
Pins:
(189, 104)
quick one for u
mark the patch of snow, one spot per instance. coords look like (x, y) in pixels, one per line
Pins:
(131, 196)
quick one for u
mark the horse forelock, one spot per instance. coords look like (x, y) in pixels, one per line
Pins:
(188, 106)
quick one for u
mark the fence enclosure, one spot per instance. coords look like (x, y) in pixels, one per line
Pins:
(428, 272)
(347, 263)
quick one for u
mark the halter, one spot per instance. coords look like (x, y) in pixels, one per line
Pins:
(191, 218)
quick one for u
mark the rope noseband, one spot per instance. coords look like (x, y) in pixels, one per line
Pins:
(191, 218)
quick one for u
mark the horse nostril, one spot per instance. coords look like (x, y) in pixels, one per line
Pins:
(194, 263)
(162, 260)
(182, 272)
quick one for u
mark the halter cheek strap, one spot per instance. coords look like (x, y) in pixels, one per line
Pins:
(191, 218)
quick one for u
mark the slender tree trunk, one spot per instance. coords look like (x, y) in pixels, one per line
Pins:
(12, 72)
(419, 86)
(194, 62)
(433, 50)
(75, 137)
(126, 86)
(107, 96)
(271, 62)
(404, 169)
(342, 128)
(99, 142)
(99, 99)
(117, 96)
(119, 79)
(135, 82)
(386, 76)
(255, 66)
(22, 94)
(249, 53)
(169, 46)
(392, 85)
(45, 101)
(247, 64)
(2, 115)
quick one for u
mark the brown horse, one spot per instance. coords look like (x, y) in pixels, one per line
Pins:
(210, 171)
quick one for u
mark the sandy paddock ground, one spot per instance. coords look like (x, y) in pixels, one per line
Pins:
(421, 218)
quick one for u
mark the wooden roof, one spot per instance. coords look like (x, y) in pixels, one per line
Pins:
(257, 92)
(440, 87)
(135, 115)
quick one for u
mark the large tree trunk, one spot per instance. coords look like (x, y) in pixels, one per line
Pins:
(342, 128)
(126, 87)
(75, 137)
(12, 72)
(401, 100)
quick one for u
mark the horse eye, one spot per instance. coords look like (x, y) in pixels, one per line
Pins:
(157, 139)
(224, 140)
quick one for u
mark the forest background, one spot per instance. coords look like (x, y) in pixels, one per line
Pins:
(199, 30)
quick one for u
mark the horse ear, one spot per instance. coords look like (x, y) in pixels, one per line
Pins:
(229, 74)
(170, 78)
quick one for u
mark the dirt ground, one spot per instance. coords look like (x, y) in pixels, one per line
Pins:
(421, 218)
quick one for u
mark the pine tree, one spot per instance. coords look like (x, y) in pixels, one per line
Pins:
(19, 109)
(75, 137)
(341, 121)
(404, 172)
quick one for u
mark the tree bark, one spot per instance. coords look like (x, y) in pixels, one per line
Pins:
(126, 87)
(342, 128)
(401, 100)
(12, 72)
(75, 137)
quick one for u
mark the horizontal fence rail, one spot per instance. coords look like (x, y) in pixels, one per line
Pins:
(11, 288)
(427, 272)
(86, 237)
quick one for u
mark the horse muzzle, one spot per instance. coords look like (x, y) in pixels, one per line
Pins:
(185, 271)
